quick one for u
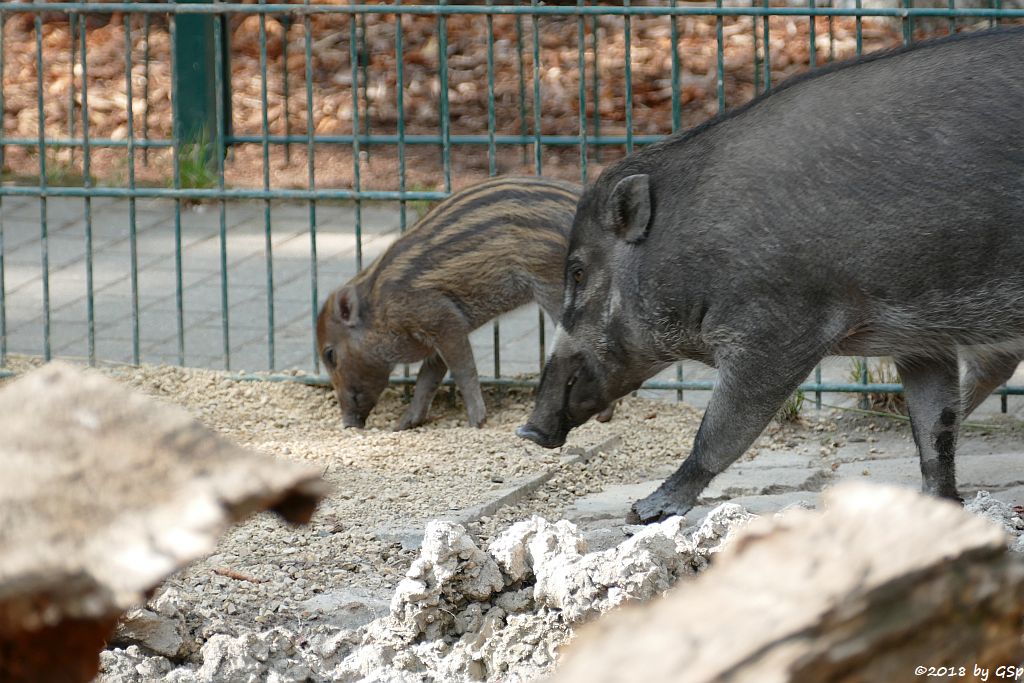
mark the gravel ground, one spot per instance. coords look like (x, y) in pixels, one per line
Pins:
(264, 569)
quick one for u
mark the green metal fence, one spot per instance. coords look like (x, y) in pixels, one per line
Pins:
(345, 107)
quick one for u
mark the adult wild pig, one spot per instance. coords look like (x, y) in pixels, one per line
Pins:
(481, 252)
(872, 208)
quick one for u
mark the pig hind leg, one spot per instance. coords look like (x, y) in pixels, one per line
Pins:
(983, 372)
(750, 390)
(429, 378)
(932, 389)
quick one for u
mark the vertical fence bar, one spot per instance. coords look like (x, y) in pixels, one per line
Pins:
(951, 20)
(677, 114)
(537, 150)
(523, 129)
(90, 312)
(364, 65)
(446, 132)
(72, 31)
(767, 41)
(864, 402)
(581, 44)
(400, 105)
(311, 182)
(676, 124)
(492, 162)
(812, 37)
(145, 86)
(817, 394)
(720, 61)
(492, 168)
(44, 244)
(595, 85)
(268, 240)
(995, 21)
(133, 242)
(3, 277)
(860, 30)
(538, 159)
(831, 33)
(907, 24)
(356, 184)
(179, 298)
(757, 56)
(219, 116)
(627, 35)
(286, 23)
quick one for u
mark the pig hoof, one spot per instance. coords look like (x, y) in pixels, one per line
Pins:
(605, 414)
(655, 509)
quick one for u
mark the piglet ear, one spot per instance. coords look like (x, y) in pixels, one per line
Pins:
(628, 211)
(346, 306)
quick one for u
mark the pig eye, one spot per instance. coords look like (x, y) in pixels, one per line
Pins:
(329, 358)
(577, 275)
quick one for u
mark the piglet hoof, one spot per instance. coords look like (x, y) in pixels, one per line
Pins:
(654, 508)
(606, 414)
(478, 423)
(408, 420)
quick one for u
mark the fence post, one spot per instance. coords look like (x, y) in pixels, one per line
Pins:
(195, 63)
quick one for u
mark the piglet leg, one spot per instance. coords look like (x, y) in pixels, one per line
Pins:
(458, 355)
(432, 371)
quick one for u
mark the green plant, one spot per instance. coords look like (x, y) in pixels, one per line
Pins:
(883, 372)
(790, 410)
(421, 207)
(61, 171)
(196, 167)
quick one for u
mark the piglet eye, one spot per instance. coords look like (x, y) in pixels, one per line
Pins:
(329, 358)
(577, 275)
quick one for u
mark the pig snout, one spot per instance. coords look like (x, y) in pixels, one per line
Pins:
(539, 437)
(565, 399)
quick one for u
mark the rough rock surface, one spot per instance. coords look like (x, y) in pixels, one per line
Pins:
(159, 628)
(464, 613)
(885, 580)
(1002, 514)
(103, 494)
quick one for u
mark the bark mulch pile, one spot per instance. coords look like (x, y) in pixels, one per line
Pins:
(331, 85)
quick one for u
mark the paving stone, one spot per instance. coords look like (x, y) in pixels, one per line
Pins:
(974, 472)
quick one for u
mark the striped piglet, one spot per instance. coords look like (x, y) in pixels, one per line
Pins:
(480, 253)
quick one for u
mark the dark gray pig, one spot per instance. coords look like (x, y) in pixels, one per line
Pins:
(875, 207)
(483, 251)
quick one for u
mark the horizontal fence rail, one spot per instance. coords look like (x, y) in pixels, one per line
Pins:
(184, 182)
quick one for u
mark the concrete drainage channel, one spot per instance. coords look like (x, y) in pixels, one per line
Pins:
(411, 539)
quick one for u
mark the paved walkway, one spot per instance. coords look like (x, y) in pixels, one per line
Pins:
(246, 290)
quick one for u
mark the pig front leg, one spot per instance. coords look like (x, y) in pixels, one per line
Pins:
(750, 390)
(932, 388)
(428, 379)
(456, 351)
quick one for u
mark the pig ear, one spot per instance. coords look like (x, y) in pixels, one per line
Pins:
(629, 208)
(346, 306)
